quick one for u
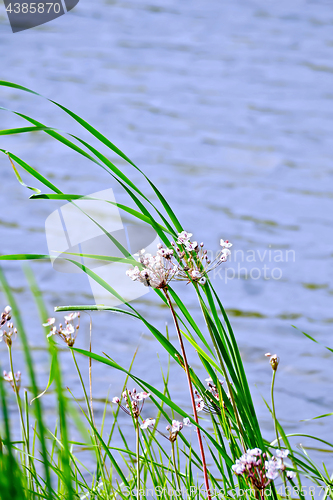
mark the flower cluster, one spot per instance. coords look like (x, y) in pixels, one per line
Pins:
(157, 270)
(8, 377)
(197, 265)
(149, 422)
(7, 332)
(174, 429)
(67, 333)
(260, 471)
(208, 406)
(199, 402)
(212, 388)
(5, 315)
(187, 262)
(134, 402)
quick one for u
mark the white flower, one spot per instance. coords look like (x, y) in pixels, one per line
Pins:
(72, 316)
(190, 245)
(5, 317)
(158, 269)
(226, 252)
(274, 463)
(250, 459)
(176, 426)
(68, 330)
(52, 332)
(200, 404)
(149, 422)
(167, 253)
(49, 322)
(9, 334)
(225, 244)
(272, 474)
(140, 396)
(239, 467)
(255, 452)
(133, 273)
(186, 422)
(282, 453)
(8, 377)
(291, 475)
(224, 255)
(279, 464)
(196, 274)
(183, 237)
(132, 399)
(66, 333)
(243, 458)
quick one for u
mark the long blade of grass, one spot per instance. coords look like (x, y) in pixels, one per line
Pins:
(29, 361)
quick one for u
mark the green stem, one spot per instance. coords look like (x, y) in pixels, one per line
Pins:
(90, 377)
(99, 456)
(137, 429)
(175, 465)
(230, 389)
(18, 399)
(25, 438)
(273, 409)
(276, 429)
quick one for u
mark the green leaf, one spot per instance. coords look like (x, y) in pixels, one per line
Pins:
(19, 177)
(313, 340)
(25, 256)
(53, 371)
(102, 139)
(29, 361)
(315, 418)
(22, 130)
(129, 210)
(160, 395)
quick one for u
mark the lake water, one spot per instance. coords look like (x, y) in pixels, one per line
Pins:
(228, 108)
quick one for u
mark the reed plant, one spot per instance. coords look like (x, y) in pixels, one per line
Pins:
(233, 461)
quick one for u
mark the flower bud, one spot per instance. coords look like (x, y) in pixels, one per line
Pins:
(274, 361)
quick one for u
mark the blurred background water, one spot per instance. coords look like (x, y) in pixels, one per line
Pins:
(228, 108)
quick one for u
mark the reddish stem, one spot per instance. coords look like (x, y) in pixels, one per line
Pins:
(187, 371)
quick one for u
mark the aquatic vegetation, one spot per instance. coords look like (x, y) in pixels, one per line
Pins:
(8, 377)
(67, 333)
(229, 457)
(259, 470)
